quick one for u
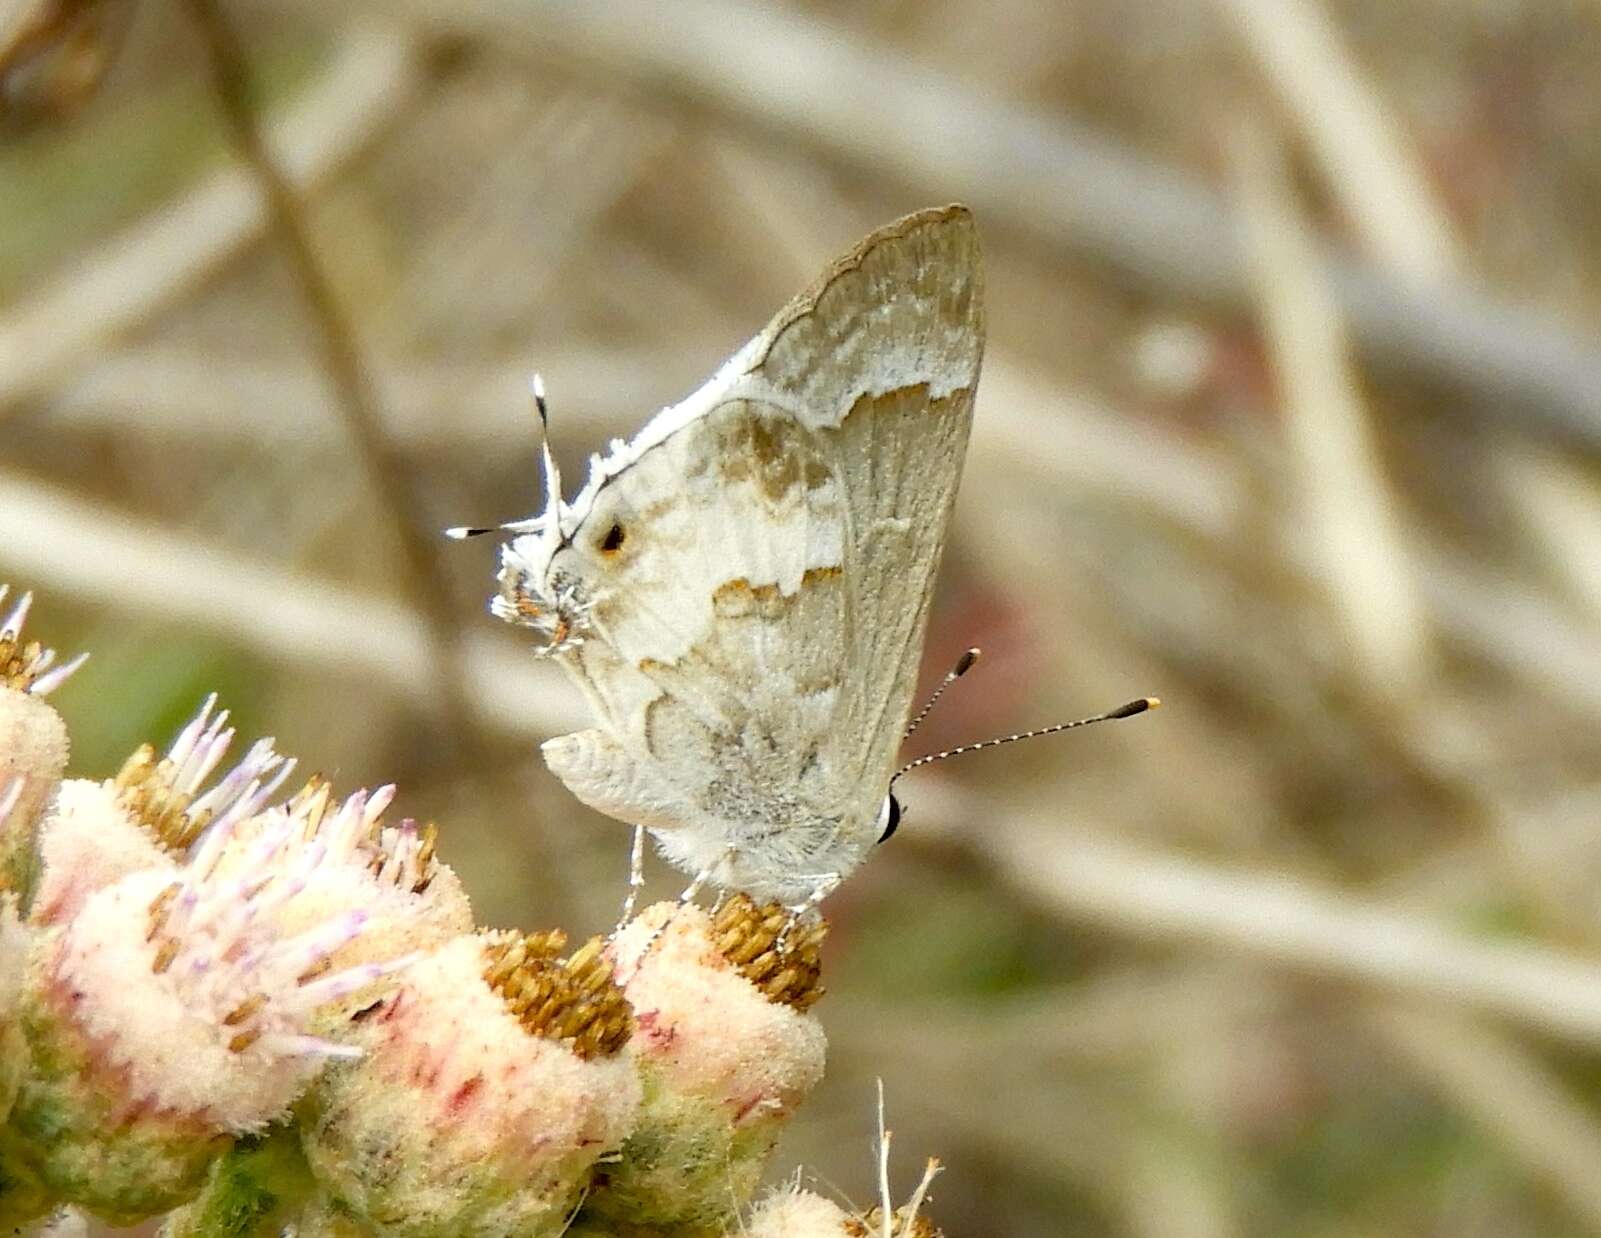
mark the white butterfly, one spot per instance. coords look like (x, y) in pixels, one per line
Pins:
(741, 591)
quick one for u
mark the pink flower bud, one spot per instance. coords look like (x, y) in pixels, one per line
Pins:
(33, 743)
(491, 1081)
(801, 1214)
(794, 1213)
(726, 1050)
(87, 841)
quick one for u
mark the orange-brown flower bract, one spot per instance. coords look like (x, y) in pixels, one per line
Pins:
(782, 958)
(727, 1050)
(490, 1083)
(570, 1000)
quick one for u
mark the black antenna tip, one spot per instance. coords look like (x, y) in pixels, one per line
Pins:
(1135, 707)
(965, 663)
(462, 531)
(536, 387)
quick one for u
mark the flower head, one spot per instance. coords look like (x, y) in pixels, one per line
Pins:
(722, 1001)
(390, 871)
(726, 1048)
(29, 667)
(168, 794)
(174, 1011)
(151, 814)
(793, 1213)
(491, 1082)
(191, 985)
(33, 743)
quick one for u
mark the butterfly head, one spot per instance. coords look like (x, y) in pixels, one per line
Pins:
(533, 592)
(533, 596)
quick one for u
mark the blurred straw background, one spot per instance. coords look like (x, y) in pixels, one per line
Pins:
(1291, 413)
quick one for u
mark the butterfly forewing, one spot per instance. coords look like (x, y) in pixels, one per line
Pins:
(751, 576)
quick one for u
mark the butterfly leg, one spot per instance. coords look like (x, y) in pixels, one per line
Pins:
(693, 888)
(827, 883)
(690, 891)
(705, 875)
(636, 876)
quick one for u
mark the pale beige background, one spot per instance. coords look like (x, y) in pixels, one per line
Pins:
(1290, 415)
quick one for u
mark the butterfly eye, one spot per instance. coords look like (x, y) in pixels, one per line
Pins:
(889, 816)
(613, 541)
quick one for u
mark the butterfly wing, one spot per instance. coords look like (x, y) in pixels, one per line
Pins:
(743, 589)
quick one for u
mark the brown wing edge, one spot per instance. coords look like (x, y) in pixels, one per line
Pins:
(955, 214)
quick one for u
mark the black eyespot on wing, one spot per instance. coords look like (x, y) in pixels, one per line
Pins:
(891, 816)
(613, 541)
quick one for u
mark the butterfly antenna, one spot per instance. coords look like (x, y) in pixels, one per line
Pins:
(533, 524)
(536, 388)
(963, 665)
(1122, 711)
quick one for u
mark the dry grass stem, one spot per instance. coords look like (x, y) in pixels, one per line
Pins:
(1293, 922)
(1561, 508)
(1473, 605)
(1509, 1092)
(1032, 431)
(322, 628)
(1365, 158)
(390, 475)
(1344, 503)
(554, 179)
(431, 406)
(137, 272)
(1041, 175)
(1028, 426)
